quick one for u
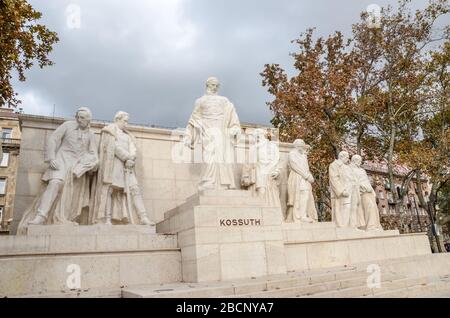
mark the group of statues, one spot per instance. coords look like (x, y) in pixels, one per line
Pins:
(87, 183)
(90, 183)
(353, 200)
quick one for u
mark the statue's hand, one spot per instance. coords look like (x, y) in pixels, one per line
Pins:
(311, 179)
(187, 141)
(345, 194)
(54, 165)
(275, 174)
(129, 164)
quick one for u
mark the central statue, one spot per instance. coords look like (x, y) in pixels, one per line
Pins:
(214, 123)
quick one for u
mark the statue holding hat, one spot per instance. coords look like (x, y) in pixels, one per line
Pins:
(71, 153)
(301, 205)
(344, 192)
(265, 172)
(367, 214)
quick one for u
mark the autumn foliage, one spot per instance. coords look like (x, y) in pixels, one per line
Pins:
(382, 93)
(22, 42)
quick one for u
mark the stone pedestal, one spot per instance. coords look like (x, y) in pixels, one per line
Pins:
(226, 235)
(230, 234)
(108, 258)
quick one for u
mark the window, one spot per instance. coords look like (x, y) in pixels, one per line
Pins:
(2, 186)
(6, 133)
(1, 212)
(5, 160)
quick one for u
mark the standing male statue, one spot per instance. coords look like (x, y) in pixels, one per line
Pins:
(301, 206)
(71, 151)
(344, 199)
(368, 215)
(118, 198)
(215, 124)
(263, 175)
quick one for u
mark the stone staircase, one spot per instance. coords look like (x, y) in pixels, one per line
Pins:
(341, 282)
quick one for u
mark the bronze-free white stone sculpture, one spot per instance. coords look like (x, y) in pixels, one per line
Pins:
(71, 152)
(344, 194)
(301, 204)
(118, 198)
(368, 215)
(267, 169)
(214, 123)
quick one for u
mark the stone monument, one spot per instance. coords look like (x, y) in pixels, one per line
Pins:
(368, 215)
(203, 236)
(118, 197)
(344, 195)
(214, 124)
(301, 206)
(71, 153)
(263, 176)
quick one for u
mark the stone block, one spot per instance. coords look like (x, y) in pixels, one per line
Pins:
(272, 216)
(206, 216)
(163, 169)
(243, 260)
(275, 258)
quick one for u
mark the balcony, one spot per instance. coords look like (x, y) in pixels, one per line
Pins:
(10, 143)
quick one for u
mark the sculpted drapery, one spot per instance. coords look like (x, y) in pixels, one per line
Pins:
(71, 152)
(215, 125)
(300, 196)
(368, 214)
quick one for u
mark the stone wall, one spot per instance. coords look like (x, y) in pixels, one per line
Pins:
(8, 119)
(165, 184)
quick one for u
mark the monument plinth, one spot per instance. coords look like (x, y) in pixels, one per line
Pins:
(231, 234)
(226, 234)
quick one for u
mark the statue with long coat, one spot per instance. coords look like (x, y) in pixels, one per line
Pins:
(118, 199)
(215, 125)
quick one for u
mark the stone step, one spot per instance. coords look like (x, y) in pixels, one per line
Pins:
(226, 198)
(316, 288)
(314, 280)
(428, 286)
(363, 290)
(226, 193)
(79, 293)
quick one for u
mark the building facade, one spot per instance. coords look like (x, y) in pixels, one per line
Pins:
(10, 139)
(413, 217)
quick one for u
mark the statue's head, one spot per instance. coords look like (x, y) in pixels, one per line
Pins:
(83, 117)
(344, 157)
(357, 160)
(301, 146)
(212, 86)
(121, 119)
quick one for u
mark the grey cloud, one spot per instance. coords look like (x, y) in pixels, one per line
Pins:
(151, 58)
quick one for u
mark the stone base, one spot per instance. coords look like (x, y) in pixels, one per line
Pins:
(240, 238)
(108, 258)
(322, 245)
(235, 238)
(98, 229)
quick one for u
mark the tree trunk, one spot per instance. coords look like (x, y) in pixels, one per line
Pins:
(391, 170)
(429, 207)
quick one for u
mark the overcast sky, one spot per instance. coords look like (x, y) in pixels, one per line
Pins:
(151, 58)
